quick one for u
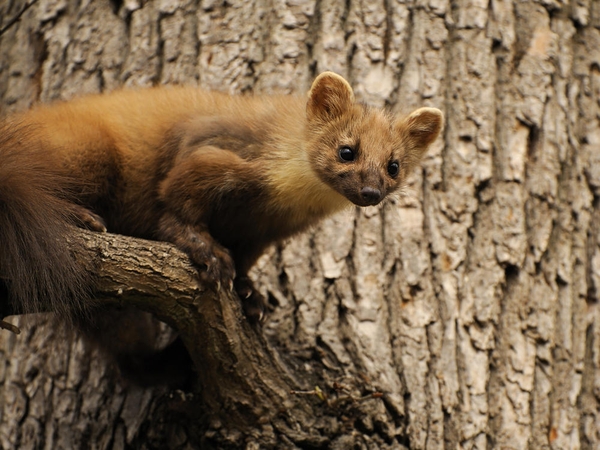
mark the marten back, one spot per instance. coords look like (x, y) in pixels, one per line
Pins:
(119, 146)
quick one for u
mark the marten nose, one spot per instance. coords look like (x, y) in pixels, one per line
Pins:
(370, 195)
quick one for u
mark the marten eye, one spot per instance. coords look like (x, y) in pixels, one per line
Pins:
(393, 169)
(346, 154)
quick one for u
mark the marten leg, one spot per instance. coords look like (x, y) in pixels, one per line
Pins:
(204, 180)
(190, 191)
(213, 260)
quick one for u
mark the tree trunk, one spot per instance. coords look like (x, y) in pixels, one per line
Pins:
(462, 314)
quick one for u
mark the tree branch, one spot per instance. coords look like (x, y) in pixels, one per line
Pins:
(240, 378)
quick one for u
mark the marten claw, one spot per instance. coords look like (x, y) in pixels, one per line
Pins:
(253, 302)
(219, 273)
(215, 266)
(254, 309)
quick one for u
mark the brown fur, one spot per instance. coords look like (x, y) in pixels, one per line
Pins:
(222, 177)
(35, 213)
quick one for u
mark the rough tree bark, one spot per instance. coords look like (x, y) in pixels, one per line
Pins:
(462, 315)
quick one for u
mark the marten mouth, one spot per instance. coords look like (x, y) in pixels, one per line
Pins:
(363, 203)
(366, 196)
(359, 192)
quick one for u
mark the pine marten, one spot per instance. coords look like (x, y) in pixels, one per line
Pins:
(222, 177)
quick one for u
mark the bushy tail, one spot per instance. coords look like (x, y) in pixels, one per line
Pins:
(36, 264)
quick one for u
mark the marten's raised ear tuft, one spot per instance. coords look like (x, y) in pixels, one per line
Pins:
(420, 129)
(424, 125)
(329, 97)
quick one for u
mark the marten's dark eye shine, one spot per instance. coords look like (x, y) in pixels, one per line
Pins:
(346, 154)
(393, 169)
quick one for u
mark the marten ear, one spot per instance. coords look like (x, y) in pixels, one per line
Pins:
(329, 97)
(419, 130)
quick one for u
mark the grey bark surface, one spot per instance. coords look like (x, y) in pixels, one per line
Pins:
(462, 314)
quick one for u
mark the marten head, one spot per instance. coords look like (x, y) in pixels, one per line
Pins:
(363, 153)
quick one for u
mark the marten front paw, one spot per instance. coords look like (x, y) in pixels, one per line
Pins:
(214, 262)
(254, 304)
